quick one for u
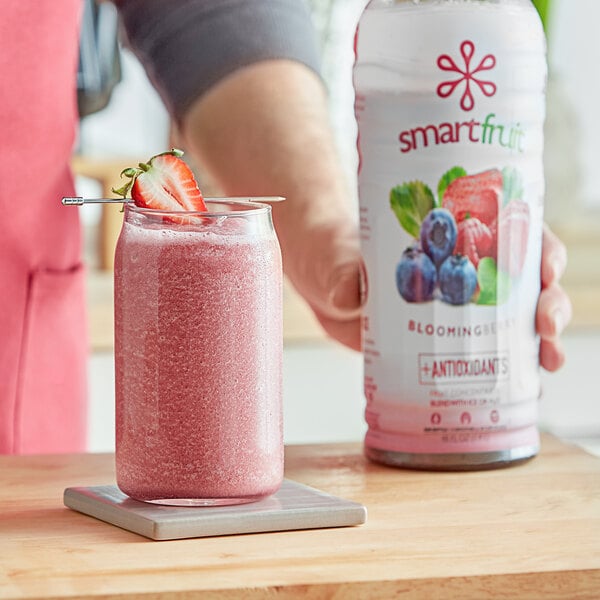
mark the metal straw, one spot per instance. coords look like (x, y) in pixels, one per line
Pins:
(79, 200)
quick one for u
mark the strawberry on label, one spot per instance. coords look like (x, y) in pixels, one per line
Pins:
(477, 196)
(512, 233)
(165, 182)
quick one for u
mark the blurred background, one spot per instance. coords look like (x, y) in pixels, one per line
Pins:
(135, 125)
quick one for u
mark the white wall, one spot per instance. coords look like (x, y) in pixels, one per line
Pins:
(574, 57)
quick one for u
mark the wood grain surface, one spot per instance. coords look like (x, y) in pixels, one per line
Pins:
(528, 532)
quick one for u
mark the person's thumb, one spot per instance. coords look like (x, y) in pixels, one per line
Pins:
(344, 291)
(325, 269)
(341, 317)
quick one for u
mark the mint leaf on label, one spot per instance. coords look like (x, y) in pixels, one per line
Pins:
(503, 287)
(486, 278)
(447, 178)
(494, 285)
(512, 185)
(410, 203)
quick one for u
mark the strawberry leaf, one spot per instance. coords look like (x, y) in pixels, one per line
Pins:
(494, 285)
(512, 185)
(410, 203)
(447, 178)
(131, 174)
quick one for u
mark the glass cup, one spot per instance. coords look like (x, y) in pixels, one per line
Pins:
(198, 355)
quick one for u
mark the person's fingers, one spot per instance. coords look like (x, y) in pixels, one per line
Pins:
(344, 290)
(554, 258)
(346, 332)
(552, 354)
(323, 262)
(331, 286)
(554, 312)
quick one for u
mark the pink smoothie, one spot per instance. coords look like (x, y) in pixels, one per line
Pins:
(198, 342)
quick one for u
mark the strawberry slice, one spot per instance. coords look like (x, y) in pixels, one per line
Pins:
(165, 182)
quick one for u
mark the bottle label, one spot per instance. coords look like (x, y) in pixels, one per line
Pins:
(450, 108)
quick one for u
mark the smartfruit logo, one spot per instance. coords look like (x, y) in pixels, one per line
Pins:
(481, 129)
(467, 75)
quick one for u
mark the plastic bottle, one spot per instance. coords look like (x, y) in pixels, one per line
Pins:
(450, 107)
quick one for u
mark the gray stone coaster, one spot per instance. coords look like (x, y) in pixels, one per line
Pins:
(294, 506)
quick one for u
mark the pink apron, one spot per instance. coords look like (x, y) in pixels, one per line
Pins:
(43, 344)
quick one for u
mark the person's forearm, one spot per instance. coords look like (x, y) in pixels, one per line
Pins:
(188, 46)
(241, 81)
(265, 130)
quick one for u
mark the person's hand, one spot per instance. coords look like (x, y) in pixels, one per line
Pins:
(264, 130)
(322, 259)
(554, 307)
(328, 277)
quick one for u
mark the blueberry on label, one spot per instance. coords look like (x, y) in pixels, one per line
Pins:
(438, 235)
(458, 280)
(416, 276)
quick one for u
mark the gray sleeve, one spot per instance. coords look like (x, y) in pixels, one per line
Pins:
(187, 46)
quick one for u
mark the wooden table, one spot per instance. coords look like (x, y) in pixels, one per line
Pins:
(529, 532)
